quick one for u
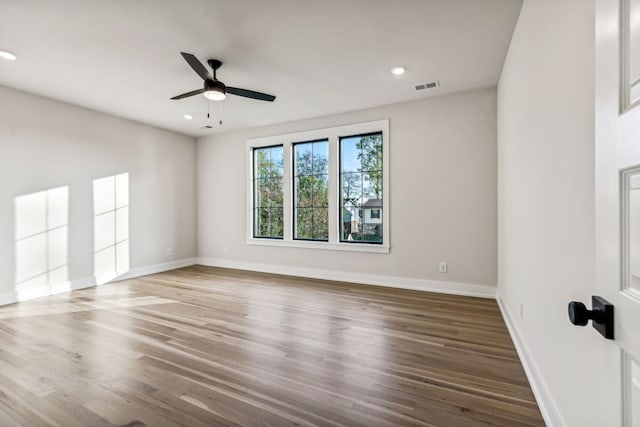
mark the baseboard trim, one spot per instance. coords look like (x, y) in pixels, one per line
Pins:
(155, 268)
(7, 298)
(548, 408)
(454, 288)
(12, 298)
(88, 282)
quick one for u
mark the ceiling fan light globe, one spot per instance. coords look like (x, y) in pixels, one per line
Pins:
(215, 95)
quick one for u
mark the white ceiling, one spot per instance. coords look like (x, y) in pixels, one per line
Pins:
(317, 57)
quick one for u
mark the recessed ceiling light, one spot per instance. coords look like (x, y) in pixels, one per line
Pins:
(188, 117)
(398, 71)
(7, 55)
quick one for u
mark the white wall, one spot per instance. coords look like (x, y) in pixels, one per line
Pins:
(443, 198)
(46, 144)
(546, 247)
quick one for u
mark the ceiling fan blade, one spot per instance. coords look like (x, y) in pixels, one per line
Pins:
(250, 94)
(197, 66)
(188, 94)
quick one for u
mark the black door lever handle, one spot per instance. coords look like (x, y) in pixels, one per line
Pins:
(601, 315)
(580, 315)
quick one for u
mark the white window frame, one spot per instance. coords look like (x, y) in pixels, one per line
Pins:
(332, 134)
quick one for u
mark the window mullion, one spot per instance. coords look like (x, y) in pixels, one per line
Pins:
(312, 178)
(334, 194)
(287, 190)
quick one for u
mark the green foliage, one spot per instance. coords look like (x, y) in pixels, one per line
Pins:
(351, 188)
(269, 222)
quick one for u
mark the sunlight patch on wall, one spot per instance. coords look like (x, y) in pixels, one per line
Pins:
(111, 227)
(41, 243)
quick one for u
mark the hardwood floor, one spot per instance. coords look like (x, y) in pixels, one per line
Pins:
(204, 346)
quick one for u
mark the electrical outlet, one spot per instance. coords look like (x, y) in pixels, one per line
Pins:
(169, 251)
(443, 267)
(226, 249)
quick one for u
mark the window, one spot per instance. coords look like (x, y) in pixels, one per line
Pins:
(320, 189)
(311, 189)
(268, 192)
(361, 188)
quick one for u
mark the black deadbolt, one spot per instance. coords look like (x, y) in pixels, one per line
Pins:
(602, 315)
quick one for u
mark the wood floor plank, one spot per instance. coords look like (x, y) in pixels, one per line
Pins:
(203, 346)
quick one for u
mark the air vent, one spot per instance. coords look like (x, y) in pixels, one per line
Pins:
(425, 86)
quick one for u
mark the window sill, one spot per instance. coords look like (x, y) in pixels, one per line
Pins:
(349, 247)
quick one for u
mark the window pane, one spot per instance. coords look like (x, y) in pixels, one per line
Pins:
(269, 222)
(273, 192)
(320, 185)
(321, 223)
(372, 185)
(321, 157)
(268, 193)
(268, 162)
(304, 159)
(347, 217)
(276, 220)
(372, 233)
(349, 161)
(351, 223)
(303, 192)
(370, 154)
(259, 199)
(361, 188)
(277, 161)
(351, 188)
(262, 159)
(261, 225)
(304, 223)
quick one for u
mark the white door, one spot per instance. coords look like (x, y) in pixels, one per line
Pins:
(617, 159)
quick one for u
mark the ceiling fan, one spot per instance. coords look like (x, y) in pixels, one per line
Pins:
(213, 88)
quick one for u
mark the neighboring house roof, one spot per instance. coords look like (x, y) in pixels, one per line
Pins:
(373, 203)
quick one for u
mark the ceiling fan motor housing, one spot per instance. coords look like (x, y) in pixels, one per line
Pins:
(215, 85)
